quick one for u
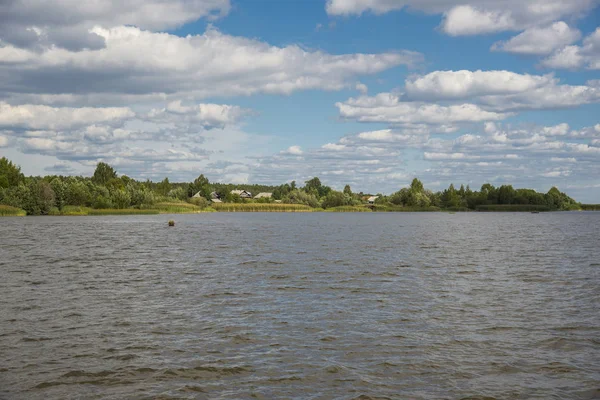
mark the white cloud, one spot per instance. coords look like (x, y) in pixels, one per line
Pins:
(463, 84)
(3, 141)
(334, 147)
(540, 40)
(50, 118)
(206, 115)
(66, 23)
(469, 20)
(470, 17)
(362, 88)
(573, 57)
(498, 91)
(142, 63)
(293, 150)
(388, 108)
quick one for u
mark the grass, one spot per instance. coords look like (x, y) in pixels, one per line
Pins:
(513, 207)
(8, 211)
(590, 207)
(388, 208)
(348, 209)
(261, 207)
(71, 211)
(124, 211)
(179, 208)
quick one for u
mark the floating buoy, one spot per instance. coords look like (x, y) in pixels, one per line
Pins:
(171, 223)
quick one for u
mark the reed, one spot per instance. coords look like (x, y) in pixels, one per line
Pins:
(124, 211)
(388, 208)
(348, 209)
(8, 211)
(590, 207)
(513, 207)
(261, 207)
(178, 208)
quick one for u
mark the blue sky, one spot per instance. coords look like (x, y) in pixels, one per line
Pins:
(370, 93)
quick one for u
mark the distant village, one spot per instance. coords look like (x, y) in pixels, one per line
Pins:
(244, 194)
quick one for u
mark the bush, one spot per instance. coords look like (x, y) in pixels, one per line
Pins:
(199, 202)
(8, 211)
(513, 207)
(121, 199)
(260, 207)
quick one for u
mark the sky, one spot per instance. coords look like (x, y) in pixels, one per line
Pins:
(371, 93)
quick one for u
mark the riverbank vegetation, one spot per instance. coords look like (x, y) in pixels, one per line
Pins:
(106, 193)
(590, 207)
(8, 211)
(261, 207)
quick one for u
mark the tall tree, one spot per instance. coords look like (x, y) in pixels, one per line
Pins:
(103, 174)
(10, 174)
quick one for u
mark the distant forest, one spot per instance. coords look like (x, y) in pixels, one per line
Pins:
(52, 195)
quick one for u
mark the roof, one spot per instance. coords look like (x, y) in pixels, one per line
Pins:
(373, 198)
(263, 195)
(215, 200)
(240, 192)
(197, 195)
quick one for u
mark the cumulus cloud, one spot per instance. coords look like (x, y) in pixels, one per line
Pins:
(66, 23)
(464, 84)
(573, 57)
(294, 150)
(140, 62)
(540, 40)
(51, 118)
(206, 115)
(498, 91)
(471, 17)
(389, 108)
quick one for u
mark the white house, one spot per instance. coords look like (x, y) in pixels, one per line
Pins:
(242, 193)
(372, 199)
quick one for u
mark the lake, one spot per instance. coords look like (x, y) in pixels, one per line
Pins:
(301, 306)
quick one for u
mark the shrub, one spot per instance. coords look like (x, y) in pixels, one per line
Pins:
(8, 211)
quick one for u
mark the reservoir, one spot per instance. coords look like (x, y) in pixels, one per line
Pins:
(301, 306)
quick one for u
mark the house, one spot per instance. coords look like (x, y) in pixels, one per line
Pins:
(263, 195)
(198, 195)
(242, 193)
(371, 200)
(214, 195)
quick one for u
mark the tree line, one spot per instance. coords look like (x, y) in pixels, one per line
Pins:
(106, 190)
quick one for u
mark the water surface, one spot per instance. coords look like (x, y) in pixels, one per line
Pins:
(301, 306)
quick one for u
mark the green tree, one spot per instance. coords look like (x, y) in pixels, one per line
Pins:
(416, 186)
(10, 174)
(60, 192)
(202, 185)
(506, 194)
(347, 190)
(103, 174)
(120, 198)
(164, 187)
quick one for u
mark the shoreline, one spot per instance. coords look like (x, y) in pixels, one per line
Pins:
(100, 213)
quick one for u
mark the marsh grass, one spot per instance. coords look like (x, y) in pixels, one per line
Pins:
(590, 207)
(70, 211)
(179, 208)
(124, 211)
(261, 207)
(348, 209)
(513, 207)
(8, 211)
(388, 208)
